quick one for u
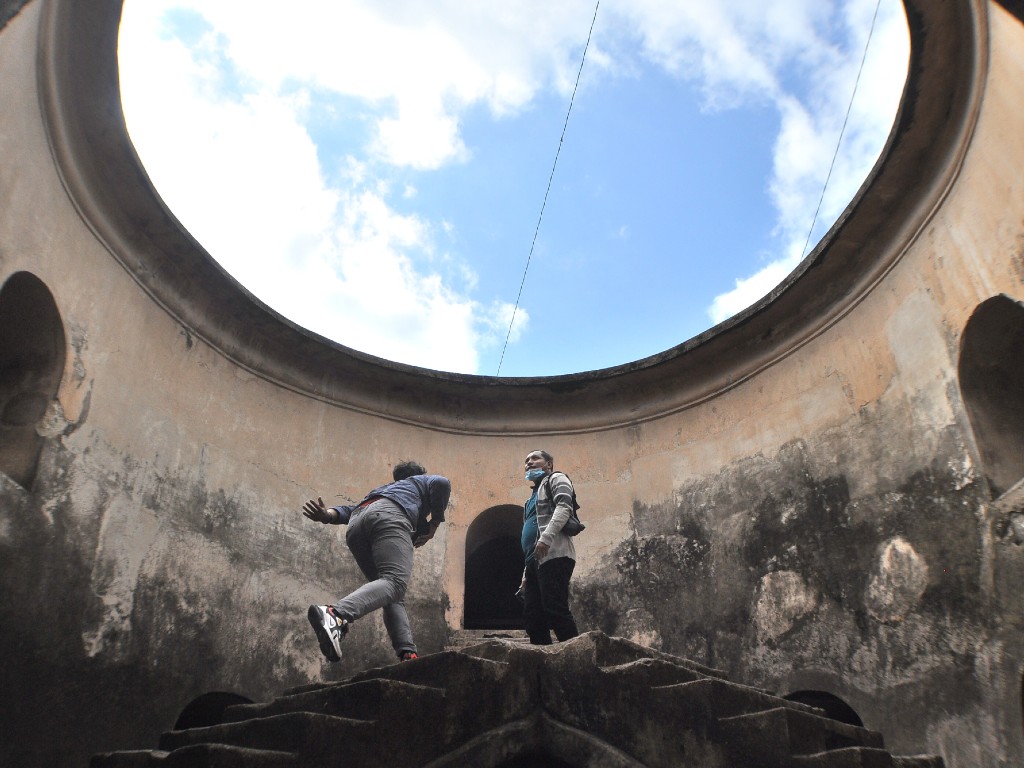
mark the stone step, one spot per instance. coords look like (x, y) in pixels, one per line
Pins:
(612, 651)
(366, 700)
(129, 758)
(847, 757)
(197, 756)
(446, 669)
(784, 731)
(865, 757)
(652, 673)
(723, 699)
(604, 652)
(293, 732)
(465, 638)
(918, 761)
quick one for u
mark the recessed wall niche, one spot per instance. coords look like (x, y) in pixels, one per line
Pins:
(32, 356)
(494, 569)
(991, 374)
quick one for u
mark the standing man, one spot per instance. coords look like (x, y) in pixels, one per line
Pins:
(550, 554)
(382, 531)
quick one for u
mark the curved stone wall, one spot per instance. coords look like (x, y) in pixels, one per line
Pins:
(800, 497)
(78, 80)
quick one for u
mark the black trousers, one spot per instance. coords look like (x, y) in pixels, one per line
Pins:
(546, 601)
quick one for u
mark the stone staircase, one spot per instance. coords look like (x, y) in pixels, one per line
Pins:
(593, 701)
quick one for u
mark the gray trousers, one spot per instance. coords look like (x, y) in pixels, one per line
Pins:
(380, 538)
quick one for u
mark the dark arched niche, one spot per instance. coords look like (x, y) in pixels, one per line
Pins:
(991, 374)
(207, 710)
(494, 569)
(834, 707)
(31, 367)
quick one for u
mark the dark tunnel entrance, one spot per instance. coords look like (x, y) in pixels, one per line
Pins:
(31, 366)
(494, 569)
(991, 376)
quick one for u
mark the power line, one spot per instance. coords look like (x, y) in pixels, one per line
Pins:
(846, 119)
(548, 190)
(817, 210)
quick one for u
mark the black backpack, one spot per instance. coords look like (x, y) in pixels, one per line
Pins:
(573, 525)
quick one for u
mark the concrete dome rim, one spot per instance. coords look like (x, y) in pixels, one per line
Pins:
(80, 102)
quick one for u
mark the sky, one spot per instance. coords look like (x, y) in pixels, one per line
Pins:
(401, 177)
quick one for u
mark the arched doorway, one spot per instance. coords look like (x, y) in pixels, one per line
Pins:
(991, 372)
(494, 569)
(31, 367)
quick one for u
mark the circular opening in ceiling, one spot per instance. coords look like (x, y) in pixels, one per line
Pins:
(385, 179)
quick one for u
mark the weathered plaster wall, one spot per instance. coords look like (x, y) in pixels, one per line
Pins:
(817, 519)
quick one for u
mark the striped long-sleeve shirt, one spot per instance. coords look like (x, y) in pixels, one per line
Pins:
(552, 514)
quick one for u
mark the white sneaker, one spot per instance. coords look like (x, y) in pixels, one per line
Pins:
(330, 630)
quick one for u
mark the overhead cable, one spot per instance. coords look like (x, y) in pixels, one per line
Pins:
(548, 190)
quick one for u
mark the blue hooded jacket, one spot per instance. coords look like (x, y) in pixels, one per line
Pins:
(423, 498)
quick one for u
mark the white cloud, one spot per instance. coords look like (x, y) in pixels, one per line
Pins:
(502, 320)
(732, 47)
(748, 290)
(810, 128)
(423, 64)
(249, 185)
(242, 172)
(316, 237)
(420, 137)
(745, 52)
(316, 252)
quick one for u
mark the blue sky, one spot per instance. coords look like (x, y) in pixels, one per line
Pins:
(375, 171)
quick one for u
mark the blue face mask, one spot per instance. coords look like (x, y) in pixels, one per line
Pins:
(534, 474)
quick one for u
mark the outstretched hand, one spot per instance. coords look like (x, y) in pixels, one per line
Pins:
(423, 538)
(316, 511)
